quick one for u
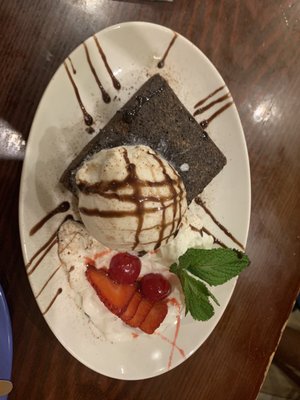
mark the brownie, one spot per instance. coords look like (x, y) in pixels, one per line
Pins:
(155, 117)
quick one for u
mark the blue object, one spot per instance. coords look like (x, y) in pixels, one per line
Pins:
(6, 344)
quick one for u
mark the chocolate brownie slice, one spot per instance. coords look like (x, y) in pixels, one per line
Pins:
(155, 117)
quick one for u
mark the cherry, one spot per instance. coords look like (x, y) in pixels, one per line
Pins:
(124, 268)
(154, 287)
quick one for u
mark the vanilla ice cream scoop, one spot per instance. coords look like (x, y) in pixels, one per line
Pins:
(130, 198)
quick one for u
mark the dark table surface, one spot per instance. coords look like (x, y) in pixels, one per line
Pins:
(256, 47)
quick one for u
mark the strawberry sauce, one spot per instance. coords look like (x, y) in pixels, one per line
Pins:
(174, 302)
(89, 261)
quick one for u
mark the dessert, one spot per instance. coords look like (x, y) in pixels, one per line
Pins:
(155, 117)
(78, 252)
(127, 302)
(130, 198)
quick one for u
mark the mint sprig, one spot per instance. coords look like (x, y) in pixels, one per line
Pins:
(215, 267)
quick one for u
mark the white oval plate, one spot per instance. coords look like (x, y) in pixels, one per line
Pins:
(58, 133)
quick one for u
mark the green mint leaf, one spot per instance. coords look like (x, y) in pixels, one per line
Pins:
(175, 269)
(196, 298)
(215, 266)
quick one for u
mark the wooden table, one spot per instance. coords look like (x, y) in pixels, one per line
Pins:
(256, 47)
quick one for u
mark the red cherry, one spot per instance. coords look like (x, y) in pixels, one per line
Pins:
(124, 268)
(154, 287)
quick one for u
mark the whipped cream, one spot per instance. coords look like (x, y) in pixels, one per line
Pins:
(130, 198)
(76, 248)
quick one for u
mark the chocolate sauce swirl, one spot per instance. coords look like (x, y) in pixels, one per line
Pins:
(137, 193)
(88, 119)
(72, 66)
(115, 81)
(204, 124)
(61, 208)
(105, 96)
(222, 227)
(211, 104)
(46, 247)
(161, 63)
(203, 229)
(108, 190)
(47, 281)
(202, 101)
(170, 183)
(59, 291)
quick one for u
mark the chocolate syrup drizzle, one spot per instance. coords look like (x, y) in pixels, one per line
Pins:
(204, 124)
(105, 96)
(72, 66)
(115, 81)
(59, 291)
(203, 229)
(161, 63)
(88, 119)
(211, 104)
(47, 281)
(137, 198)
(171, 185)
(61, 208)
(222, 227)
(200, 102)
(46, 247)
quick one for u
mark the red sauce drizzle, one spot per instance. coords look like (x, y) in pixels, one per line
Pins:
(163, 337)
(173, 343)
(102, 254)
(89, 261)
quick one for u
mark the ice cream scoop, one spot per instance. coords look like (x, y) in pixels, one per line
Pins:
(130, 198)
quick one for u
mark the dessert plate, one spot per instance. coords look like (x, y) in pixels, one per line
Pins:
(114, 64)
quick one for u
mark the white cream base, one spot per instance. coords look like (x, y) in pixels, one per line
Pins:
(75, 245)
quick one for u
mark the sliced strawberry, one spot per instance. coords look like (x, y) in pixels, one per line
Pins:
(141, 313)
(154, 318)
(132, 307)
(115, 296)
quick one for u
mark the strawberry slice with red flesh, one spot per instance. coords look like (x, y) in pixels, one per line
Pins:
(132, 307)
(115, 296)
(141, 313)
(154, 318)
